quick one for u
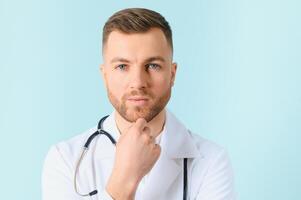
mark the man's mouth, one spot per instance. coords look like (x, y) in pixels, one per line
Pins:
(138, 100)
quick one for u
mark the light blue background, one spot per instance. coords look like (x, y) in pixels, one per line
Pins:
(238, 84)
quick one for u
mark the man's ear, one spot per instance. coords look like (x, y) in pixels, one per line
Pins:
(102, 72)
(173, 72)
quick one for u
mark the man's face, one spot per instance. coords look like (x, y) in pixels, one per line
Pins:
(138, 73)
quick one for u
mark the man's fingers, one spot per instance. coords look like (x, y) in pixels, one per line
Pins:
(148, 139)
(140, 124)
(147, 130)
(157, 149)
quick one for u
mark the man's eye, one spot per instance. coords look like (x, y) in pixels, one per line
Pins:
(121, 67)
(153, 66)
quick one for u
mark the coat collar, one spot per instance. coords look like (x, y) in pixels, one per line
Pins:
(176, 140)
(176, 143)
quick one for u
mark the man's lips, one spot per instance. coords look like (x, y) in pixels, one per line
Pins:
(137, 98)
(138, 101)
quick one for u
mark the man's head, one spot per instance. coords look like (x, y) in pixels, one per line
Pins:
(138, 69)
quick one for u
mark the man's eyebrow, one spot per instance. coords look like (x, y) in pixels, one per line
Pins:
(151, 59)
(155, 58)
(119, 59)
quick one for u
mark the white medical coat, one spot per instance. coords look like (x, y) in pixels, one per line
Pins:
(210, 175)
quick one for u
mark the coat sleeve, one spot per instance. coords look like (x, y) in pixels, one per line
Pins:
(57, 179)
(219, 180)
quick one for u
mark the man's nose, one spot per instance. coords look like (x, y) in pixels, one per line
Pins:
(138, 78)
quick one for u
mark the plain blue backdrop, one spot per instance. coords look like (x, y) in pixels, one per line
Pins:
(238, 84)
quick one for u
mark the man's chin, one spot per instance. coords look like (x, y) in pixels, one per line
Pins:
(133, 114)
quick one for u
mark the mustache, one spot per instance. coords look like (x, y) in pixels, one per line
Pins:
(141, 92)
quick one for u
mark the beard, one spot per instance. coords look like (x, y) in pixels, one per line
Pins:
(131, 113)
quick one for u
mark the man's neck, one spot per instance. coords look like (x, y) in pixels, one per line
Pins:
(156, 124)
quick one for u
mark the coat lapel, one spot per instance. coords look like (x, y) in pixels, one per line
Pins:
(162, 175)
(176, 143)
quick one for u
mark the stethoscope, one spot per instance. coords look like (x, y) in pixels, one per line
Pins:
(100, 131)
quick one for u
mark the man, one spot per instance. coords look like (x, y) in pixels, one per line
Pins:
(148, 162)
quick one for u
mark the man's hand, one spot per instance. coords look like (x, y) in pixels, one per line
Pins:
(136, 154)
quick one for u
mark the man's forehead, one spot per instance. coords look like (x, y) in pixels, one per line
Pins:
(137, 46)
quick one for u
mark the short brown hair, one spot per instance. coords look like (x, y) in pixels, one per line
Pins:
(136, 20)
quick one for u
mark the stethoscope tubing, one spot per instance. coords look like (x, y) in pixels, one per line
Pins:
(101, 131)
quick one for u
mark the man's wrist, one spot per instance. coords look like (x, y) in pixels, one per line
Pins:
(121, 190)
